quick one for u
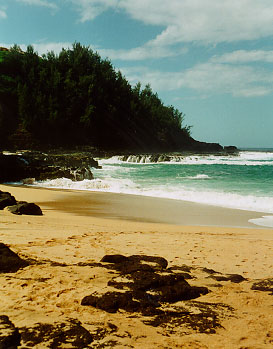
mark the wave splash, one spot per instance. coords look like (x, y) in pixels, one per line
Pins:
(127, 186)
(241, 159)
(247, 187)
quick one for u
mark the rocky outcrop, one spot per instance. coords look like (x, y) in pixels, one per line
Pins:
(150, 285)
(173, 157)
(41, 166)
(10, 262)
(231, 149)
(9, 334)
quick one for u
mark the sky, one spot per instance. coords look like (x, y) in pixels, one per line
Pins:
(211, 59)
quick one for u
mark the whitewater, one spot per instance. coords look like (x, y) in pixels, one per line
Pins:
(243, 181)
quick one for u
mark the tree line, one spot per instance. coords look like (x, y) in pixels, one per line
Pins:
(78, 98)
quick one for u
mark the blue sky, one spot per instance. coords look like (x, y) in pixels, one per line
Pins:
(211, 59)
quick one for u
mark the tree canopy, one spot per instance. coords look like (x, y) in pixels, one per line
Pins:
(77, 98)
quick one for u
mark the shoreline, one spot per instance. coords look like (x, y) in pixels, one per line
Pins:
(138, 208)
(66, 245)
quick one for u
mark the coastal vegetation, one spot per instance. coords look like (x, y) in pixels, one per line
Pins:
(78, 98)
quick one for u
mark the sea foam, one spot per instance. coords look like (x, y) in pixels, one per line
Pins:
(241, 186)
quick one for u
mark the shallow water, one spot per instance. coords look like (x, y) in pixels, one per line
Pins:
(244, 181)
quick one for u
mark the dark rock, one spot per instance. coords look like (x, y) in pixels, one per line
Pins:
(52, 172)
(146, 280)
(114, 258)
(58, 335)
(180, 291)
(158, 261)
(25, 208)
(131, 267)
(6, 199)
(204, 147)
(203, 318)
(10, 262)
(43, 166)
(147, 287)
(112, 302)
(12, 168)
(167, 288)
(264, 285)
(82, 173)
(154, 292)
(9, 334)
(231, 149)
(209, 271)
(128, 265)
(236, 278)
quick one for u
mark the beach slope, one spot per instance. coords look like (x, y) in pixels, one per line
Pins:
(228, 260)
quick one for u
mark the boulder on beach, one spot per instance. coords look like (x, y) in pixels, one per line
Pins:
(148, 285)
(22, 207)
(6, 199)
(10, 262)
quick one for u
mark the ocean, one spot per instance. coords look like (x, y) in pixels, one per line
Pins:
(243, 181)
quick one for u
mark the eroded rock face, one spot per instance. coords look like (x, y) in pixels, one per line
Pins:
(10, 262)
(9, 334)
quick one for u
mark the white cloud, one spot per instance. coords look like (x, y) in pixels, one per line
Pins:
(43, 3)
(199, 21)
(208, 78)
(42, 48)
(142, 53)
(243, 56)
(90, 9)
(203, 21)
(207, 21)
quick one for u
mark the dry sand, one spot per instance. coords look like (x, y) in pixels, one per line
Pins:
(78, 229)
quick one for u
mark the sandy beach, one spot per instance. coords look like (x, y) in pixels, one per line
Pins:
(77, 229)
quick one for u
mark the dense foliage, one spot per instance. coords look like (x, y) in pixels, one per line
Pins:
(78, 98)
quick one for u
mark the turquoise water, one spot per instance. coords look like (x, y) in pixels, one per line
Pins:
(244, 181)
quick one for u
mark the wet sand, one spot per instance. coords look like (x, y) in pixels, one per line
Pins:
(145, 209)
